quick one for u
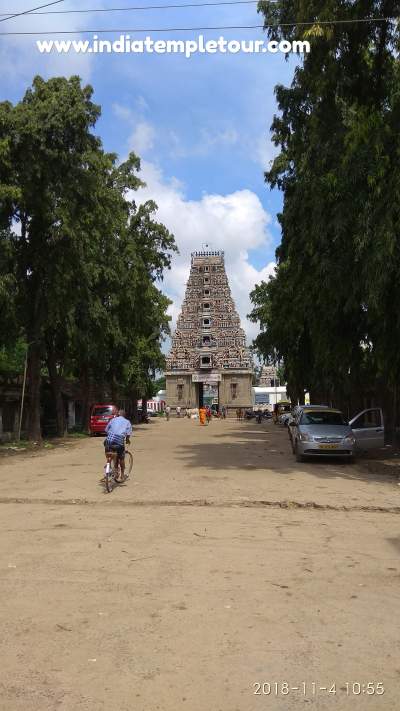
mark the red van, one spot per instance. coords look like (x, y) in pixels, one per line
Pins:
(100, 417)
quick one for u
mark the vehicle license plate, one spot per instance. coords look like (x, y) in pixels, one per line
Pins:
(328, 446)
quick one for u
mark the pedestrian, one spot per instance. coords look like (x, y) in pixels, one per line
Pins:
(167, 412)
(223, 412)
(178, 411)
(202, 415)
(276, 412)
(208, 414)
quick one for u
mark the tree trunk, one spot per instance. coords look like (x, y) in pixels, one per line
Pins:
(387, 402)
(57, 394)
(34, 378)
(85, 381)
(114, 391)
(135, 414)
(144, 409)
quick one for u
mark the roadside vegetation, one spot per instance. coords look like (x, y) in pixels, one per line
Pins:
(80, 261)
(331, 312)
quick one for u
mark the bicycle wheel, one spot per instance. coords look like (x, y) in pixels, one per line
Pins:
(110, 476)
(128, 462)
(110, 481)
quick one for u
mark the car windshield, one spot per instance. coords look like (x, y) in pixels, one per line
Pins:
(322, 418)
(106, 410)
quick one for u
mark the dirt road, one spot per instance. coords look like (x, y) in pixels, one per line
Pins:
(221, 566)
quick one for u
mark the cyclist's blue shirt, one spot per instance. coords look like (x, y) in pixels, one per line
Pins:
(117, 429)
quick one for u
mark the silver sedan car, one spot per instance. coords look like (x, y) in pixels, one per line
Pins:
(325, 431)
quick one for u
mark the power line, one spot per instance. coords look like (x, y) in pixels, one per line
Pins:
(126, 31)
(202, 29)
(143, 7)
(27, 12)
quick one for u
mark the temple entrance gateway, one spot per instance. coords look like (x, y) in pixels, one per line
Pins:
(210, 395)
(200, 398)
(209, 362)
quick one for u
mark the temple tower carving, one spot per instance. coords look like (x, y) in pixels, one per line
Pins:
(209, 361)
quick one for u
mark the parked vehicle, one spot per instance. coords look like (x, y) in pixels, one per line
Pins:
(296, 412)
(284, 418)
(144, 417)
(100, 416)
(249, 414)
(284, 412)
(319, 431)
(151, 413)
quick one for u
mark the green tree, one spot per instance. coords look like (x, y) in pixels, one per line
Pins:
(77, 255)
(329, 310)
(149, 247)
(46, 148)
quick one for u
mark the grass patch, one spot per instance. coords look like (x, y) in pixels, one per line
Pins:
(23, 444)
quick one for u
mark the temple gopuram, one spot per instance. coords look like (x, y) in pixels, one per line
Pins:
(268, 376)
(209, 363)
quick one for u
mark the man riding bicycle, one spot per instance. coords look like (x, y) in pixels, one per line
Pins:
(118, 430)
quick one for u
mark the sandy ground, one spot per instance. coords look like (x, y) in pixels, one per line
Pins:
(190, 585)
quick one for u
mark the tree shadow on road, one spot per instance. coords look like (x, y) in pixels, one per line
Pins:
(248, 447)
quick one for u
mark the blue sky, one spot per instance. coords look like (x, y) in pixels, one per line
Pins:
(200, 125)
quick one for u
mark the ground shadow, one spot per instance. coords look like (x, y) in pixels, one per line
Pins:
(268, 447)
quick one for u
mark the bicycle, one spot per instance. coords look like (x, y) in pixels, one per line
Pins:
(112, 471)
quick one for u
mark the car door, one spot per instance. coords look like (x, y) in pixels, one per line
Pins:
(368, 429)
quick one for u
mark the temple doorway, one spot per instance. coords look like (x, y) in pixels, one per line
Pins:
(211, 395)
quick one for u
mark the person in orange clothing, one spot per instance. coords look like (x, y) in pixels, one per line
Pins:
(202, 415)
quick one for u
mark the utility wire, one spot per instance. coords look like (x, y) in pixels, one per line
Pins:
(203, 29)
(193, 29)
(144, 7)
(27, 12)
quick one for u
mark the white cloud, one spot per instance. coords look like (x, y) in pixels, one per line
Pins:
(143, 134)
(123, 112)
(212, 138)
(141, 139)
(235, 223)
(264, 151)
(204, 144)
(20, 59)
(142, 104)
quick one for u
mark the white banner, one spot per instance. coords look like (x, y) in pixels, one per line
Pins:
(206, 378)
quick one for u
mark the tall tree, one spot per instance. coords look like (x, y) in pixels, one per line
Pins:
(327, 310)
(62, 206)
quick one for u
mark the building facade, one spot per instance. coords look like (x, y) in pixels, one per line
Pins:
(209, 362)
(268, 377)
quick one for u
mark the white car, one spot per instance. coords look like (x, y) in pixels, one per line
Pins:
(319, 431)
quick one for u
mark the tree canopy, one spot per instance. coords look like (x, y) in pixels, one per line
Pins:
(331, 309)
(80, 262)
